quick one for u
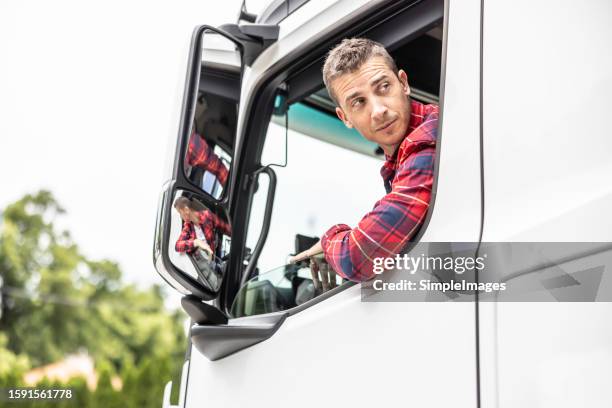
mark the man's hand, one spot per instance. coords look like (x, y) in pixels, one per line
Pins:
(323, 275)
(316, 249)
(198, 243)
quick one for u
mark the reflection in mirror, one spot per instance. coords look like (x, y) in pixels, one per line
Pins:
(200, 239)
(208, 153)
(284, 288)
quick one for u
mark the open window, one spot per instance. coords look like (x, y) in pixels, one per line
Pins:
(331, 174)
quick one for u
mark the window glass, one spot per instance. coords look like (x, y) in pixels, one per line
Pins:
(282, 288)
(321, 185)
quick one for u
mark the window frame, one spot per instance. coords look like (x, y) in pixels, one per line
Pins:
(375, 24)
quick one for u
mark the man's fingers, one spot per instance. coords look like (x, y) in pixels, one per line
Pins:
(323, 275)
(207, 252)
(332, 277)
(314, 272)
(324, 269)
(204, 246)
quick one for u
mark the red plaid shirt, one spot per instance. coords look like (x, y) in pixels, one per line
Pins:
(210, 223)
(199, 154)
(396, 218)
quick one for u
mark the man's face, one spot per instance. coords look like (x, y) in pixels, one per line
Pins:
(375, 101)
(194, 216)
(185, 213)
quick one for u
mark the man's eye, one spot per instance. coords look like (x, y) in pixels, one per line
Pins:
(384, 86)
(357, 102)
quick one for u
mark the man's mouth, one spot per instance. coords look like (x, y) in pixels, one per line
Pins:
(386, 125)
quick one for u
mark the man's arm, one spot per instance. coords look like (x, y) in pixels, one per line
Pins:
(199, 154)
(222, 226)
(316, 249)
(185, 243)
(395, 219)
(208, 217)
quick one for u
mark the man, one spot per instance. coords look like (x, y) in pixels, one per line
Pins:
(199, 227)
(372, 96)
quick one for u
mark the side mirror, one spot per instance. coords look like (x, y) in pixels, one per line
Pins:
(202, 167)
(210, 112)
(202, 170)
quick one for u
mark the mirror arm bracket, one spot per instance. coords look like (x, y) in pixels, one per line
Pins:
(255, 38)
(202, 313)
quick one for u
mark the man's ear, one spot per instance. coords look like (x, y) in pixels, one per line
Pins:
(343, 118)
(403, 78)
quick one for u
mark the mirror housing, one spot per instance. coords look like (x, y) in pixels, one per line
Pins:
(184, 277)
(254, 37)
(188, 277)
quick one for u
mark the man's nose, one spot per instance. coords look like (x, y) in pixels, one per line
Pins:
(379, 111)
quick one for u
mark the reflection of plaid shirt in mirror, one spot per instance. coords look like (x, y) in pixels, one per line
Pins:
(199, 154)
(395, 219)
(210, 223)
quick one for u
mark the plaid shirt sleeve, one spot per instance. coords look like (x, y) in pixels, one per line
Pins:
(185, 241)
(199, 154)
(212, 223)
(394, 220)
(222, 226)
(385, 230)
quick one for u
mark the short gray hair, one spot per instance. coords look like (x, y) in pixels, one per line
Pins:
(184, 202)
(349, 56)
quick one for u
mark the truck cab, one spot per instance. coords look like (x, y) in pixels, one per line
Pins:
(261, 155)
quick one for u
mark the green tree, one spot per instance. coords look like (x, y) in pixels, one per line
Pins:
(55, 301)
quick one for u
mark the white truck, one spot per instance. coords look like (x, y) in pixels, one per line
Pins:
(523, 155)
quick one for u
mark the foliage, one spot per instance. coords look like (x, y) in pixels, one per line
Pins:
(55, 301)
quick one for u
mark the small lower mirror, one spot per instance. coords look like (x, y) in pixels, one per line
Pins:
(199, 240)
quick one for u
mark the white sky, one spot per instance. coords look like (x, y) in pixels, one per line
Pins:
(89, 101)
(88, 98)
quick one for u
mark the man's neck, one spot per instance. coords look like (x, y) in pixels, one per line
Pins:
(389, 150)
(412, 124)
